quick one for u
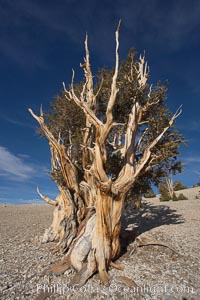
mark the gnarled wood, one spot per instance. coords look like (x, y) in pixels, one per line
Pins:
(88, 210)
(45, 198)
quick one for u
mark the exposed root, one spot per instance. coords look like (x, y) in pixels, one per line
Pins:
(130, 283)
(104, 277)
(116, 266)
(81, 277)
(148, 241)
(127, 281)
(57, 269)
(86, 272)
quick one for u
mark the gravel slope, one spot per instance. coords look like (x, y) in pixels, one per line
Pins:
(159, 272)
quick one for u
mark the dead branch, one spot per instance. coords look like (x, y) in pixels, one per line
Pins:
(114, 89)
(46, 199)
(143, 72)
(128, 175)
(127, 281)
(71, 95)
(148, 241)
(170, 186)
(69, 171)
(147, 152)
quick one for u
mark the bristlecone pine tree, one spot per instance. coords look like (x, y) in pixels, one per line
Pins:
(117, 130)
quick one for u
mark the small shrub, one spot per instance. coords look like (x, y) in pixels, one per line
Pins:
(164, 194)
(182, 197)
(164, 198)
(174, 197)
(178, 185)
(149, 194)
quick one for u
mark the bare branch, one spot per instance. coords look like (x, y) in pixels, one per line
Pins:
(88, 87)
(69, 171)
(99, 89)
(143, 72)
(128, 175)
(170, 186)
(55, 164)
(84, 106)
(141, 138)
(114, 89)
(117, 141)
(150, 90)
(131, 130)
(41, 111)
(147, 152)
(46, 199)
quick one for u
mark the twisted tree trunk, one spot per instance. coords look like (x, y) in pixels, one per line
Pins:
(87, 216)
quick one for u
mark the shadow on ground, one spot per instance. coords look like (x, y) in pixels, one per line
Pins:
(150, 216)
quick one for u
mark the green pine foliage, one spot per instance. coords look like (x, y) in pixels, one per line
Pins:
(178, 185)
(150, 194)
(165, 198)
(174, 197)
(182, 197)
(66, 117)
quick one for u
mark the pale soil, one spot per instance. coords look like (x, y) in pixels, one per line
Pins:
(159, 272)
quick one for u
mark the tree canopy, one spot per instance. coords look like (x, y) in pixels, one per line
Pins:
(67, 121)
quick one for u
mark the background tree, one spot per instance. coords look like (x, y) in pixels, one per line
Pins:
(167, 190)
(105, 136)
(150, 194)
(178, 185)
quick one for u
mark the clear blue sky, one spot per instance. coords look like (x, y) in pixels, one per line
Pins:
(41, 41)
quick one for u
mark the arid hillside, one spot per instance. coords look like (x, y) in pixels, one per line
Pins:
(159, 272)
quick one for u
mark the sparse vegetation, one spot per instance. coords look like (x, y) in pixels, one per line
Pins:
(182, 197)
(150, 194)
(174, 197)
(178, 185)
(165, 195)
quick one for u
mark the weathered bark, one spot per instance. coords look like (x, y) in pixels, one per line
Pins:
(64, 225)
(87, 214)
(96, 240)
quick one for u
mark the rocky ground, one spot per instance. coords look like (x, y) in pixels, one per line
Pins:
(159, 272)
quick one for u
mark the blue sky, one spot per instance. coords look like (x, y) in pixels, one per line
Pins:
(41, 41)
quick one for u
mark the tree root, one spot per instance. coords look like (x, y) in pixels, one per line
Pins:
(88, 269)
(81, 277)
(127, 281)
(103, 274)
(142, 241)
(57, 269)
(116, 266)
